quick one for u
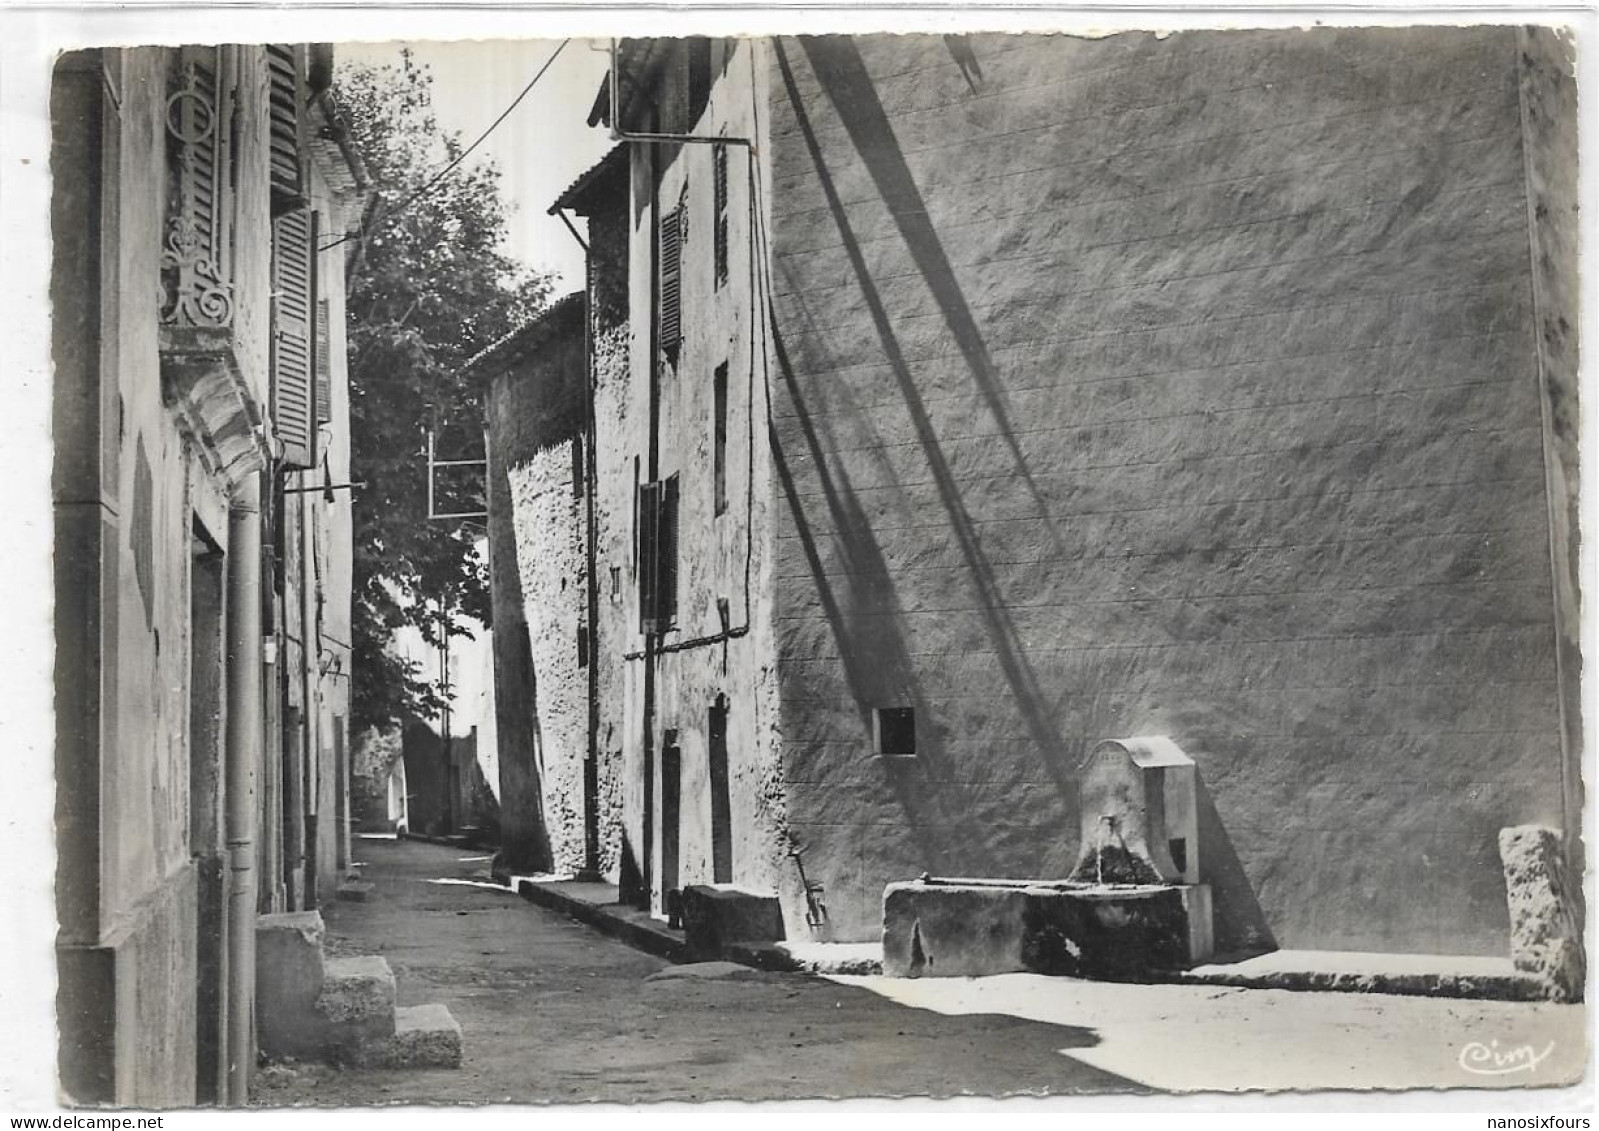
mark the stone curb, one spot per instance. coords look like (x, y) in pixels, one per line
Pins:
(1508, 987)
(659, 940)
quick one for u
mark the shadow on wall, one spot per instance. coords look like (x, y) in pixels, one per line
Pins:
(1240, 924)
(876, 660)
(874, 653)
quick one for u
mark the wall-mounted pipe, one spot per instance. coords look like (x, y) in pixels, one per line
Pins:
(619, 134)
(244, 644)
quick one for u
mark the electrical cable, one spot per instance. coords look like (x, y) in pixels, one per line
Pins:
(455, 164)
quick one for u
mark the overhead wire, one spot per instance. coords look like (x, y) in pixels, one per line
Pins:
(439, 177)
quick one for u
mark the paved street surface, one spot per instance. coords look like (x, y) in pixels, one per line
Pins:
(552, 1011)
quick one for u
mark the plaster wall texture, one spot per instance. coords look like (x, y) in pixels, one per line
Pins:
(721, 556)
(539, 561)
(523, 838)
(617, 437)
(554, 575)
(1186, 386)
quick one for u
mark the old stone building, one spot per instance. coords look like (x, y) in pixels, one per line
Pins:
(981, 398)
(202, 546)
(539, 549)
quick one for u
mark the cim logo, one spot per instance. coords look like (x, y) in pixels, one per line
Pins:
(1491, 1060)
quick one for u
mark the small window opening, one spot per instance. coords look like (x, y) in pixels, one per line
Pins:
(896, 730)
(719, 464)
(719, 242)
(616, 582)
(582, 645)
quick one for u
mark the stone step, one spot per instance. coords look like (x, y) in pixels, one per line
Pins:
(357, 1002)
(425, 1036)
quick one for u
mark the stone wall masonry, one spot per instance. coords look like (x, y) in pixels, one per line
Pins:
(538, 560)
(554, 576)
(1178, 385)
(614, 564)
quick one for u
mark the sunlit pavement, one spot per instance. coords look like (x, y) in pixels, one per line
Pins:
(1208, 1038)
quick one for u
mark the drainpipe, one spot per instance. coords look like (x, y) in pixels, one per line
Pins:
(244, 744)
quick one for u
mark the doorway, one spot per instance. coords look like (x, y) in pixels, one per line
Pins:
(721, 799)
(207, 681)
(671, 814)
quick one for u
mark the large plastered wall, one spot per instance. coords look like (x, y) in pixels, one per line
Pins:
(1179, 385)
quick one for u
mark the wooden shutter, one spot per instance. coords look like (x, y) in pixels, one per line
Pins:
(324, 365)
(666, 558)
(288, 174)
(670, 237)
(293, 335)
(658, 555)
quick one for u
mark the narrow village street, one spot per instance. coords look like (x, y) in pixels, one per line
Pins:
(944, 562)
(552, 1011)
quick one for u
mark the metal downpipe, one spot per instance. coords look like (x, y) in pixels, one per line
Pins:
(244, 743)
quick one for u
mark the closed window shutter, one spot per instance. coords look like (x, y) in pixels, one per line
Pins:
(666, 555)
(671, 245)
(649, 509)
(658, 556)
(324, 365)
(288, 175)
(293, 335)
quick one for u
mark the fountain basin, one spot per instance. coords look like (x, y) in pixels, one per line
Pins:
(967, 928)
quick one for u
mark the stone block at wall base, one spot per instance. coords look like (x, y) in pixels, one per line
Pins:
(1545, 929)
(289, 973)
(425, 1036)
(970, 930)
(717, 916)
(357, 1002)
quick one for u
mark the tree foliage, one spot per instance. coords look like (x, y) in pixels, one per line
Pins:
(429, 287)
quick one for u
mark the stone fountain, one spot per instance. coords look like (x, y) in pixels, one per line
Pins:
(1133, 907)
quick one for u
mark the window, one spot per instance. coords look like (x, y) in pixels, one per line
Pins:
(719, 165)
(616, 582)
(719, 462)
(895, 729)
(669, 236)
(657, 550)
(582, 645)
